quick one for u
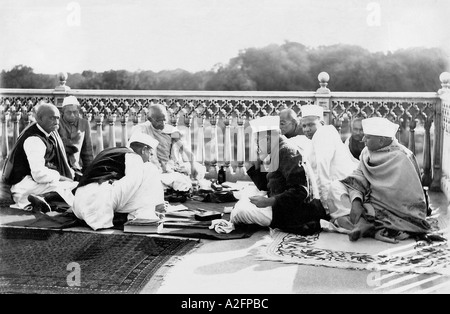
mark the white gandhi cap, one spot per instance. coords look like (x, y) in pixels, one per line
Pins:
(143, 139)
(311, 110)
(265, 124)
(70, 100)
(379, 127)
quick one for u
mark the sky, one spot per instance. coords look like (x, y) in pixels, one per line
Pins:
(53, 36)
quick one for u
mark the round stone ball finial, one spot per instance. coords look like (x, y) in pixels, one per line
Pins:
(444, 77)
(323, 78)
(445, 82)
(62, 76)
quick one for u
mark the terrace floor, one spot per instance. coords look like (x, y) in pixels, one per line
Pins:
(231, 267)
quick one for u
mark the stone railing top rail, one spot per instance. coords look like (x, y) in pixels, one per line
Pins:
(194, 93)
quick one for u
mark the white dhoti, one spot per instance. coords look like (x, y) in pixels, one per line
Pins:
(137, 194)
(245, 212)
(339, 205)
(177, 181)
(27, 186)
(338, 202)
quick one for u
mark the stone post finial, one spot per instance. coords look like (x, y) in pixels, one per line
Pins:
(445, 82)
(323, 78)
(61, 90)
(62, 76)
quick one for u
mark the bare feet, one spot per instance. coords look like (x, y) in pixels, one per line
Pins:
(381, 235)
(362, 229)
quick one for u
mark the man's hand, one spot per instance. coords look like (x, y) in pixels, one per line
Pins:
(356, 211)
(262, 201)
(182, 168)
(160, 210)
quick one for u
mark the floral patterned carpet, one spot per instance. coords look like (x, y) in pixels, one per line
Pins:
(335, 250)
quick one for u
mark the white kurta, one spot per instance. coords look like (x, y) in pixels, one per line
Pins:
(137, 194)
(330, 159)
(42, 179)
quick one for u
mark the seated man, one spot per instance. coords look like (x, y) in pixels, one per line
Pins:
(75, 133)
(120, 180)
(354, 142)
(383, 197)
(172, 157)
(37, 168)
(289, 123)
(329, 158)
(288, 204)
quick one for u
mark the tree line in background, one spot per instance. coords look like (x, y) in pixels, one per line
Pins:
(287, 67)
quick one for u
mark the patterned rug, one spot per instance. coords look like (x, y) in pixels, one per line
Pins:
(36, 261)
(335, 250)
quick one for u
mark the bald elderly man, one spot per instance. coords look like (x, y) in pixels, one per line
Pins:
(37, 168)
(173, 158)
(289, 123)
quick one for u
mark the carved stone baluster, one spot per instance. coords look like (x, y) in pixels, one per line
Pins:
(199, 140)
(187, 149)
(4, 118)
(135, 117)
(427, 175)
(24, 118)
(227, 145)
(188, 124)
(253, 155)
(15, 122)
(112, 117)
(412, 138)
(124, 123)
(99, 121)
(214, 149)
(173, 117)
(30, 113)
(240, 171)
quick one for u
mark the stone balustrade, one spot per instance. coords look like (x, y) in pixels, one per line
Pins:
(215, 124)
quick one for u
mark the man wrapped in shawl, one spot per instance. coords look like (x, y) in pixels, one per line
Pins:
(284, 199)
(383, 197)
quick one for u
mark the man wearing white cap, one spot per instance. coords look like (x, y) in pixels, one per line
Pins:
(284, 200)
(383, 197)
(75, 132)
(120, 180)
(330, 159)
